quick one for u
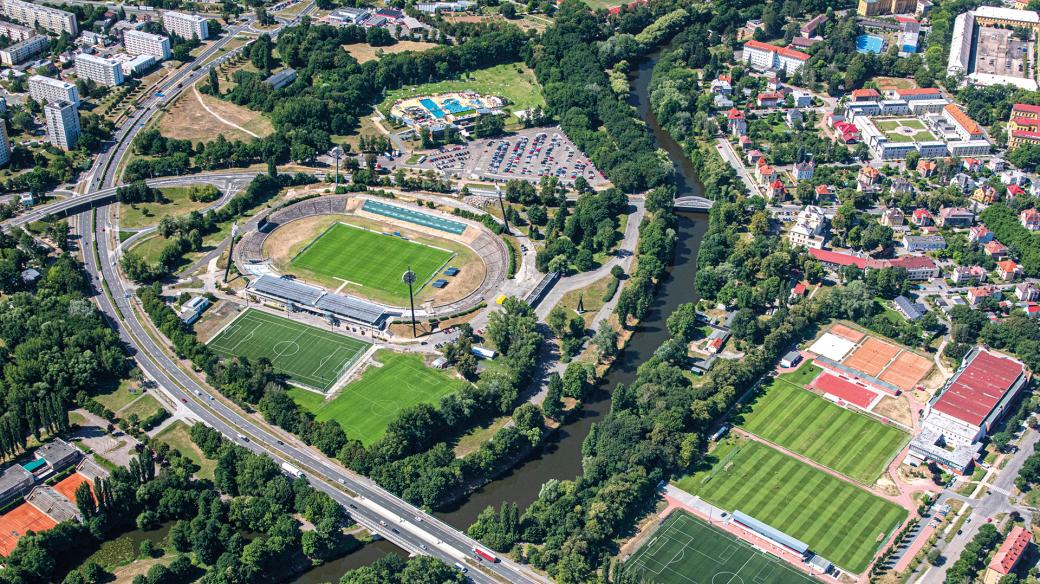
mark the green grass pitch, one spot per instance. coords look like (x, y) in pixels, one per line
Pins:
(686, 550)
(305, 354)
(370, 259)
(365, 407)
(837, 519)
(801, 421)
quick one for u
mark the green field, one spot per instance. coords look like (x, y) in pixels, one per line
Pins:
(839, 520)
(799, 420)
(366, 406)
(889, 127)
(514, 81)
(178, 203)
(144, 406)
(178, 436)
(370, 260)
(303, 353)
(686, 550)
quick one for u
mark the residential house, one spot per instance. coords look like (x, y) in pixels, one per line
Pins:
(980, 234)
(846, 132)
(865, 95)
(977, 294)
(769, 99)
(753, 156)
(955, 217)
(963, 182)
(986, 194)
(1014, 191)
(801, 98)
(917, 267)
(1008, 270)
(1030, 219)
(765, 173)
(721, 87)
(777, 191)
(996, 164)
(892, 217)
(996, 250)
(972, 164)
(926, 168)
(910, 310)
(922, 218)
(1027, 292)
(744, 142)
(1014, 177)
(825, 193)
(804, 170)
(737, 122)
(964, 275)
(923, 242)
(722, 101)
(809, 228)
(793, 117)
(809, 29)
(868, 176)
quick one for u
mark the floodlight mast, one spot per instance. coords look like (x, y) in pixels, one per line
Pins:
(231, 251)
(409, 278)
(337, 152)
(501, 205)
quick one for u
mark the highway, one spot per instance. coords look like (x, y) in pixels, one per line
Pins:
(369, 505)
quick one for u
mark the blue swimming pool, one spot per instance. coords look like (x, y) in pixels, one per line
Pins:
(866, 43)
(431, 105)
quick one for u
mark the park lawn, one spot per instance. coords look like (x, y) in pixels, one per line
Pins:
(179, 438)
(513, 81)
(602, 4)
(178, 204)
(838, 520)
(801, 421)
(804, 375)
(886, 125)
(370, 260)
(364, 407)
(145, 406)
(123, 394)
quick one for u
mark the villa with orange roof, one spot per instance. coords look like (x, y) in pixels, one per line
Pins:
(1008, 270)
(1030, 219)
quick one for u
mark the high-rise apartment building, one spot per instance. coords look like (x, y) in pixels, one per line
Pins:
(138, 42)
(15, 32)
(22, 51)
(48, 90)
(62, 124)
(102, 71)
(5, 145)
(30, 14)
(186, 25)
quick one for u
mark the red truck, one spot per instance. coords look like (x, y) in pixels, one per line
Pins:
(485, 554)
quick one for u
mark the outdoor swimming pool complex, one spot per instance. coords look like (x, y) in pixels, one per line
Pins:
(450, 105)
(866, 43)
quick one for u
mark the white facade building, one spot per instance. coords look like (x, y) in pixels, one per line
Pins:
(46, 89)
(62, 124)
(809, 227)
(102, 71)
(32, 15)
(5, 146)
(139, 42)
(15, 32)
(186, 26)
(22, 51)
(766, 57)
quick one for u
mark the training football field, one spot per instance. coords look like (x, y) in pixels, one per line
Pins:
(686, 550)
(365, 407)
(370, 259)
(840, 521)
(801, 421)
(305, 354)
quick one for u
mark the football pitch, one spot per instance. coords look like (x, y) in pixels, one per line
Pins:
(686, 550)
(305, 354)
(801, 421)
(838, 520)
(370, 260)
(365, 407)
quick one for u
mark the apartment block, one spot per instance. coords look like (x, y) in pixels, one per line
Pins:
(62, 124)
(186, 25)
(5, 146)
(22, 51)
(47, 90)
(15, 32)
(139, 42)
(32, 15)
(102, 71)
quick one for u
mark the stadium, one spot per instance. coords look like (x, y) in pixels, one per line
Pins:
(454, 108)
(342, 257)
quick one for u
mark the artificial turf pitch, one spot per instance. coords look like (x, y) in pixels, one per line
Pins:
(370, 259)
(305, 354)
(365, 407)
(848, 442)
(838, 520)
(686, 550)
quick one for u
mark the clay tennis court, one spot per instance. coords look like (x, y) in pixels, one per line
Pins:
(845, 390)
(67, 487)
(871, 357)
(906, 370)
(15, 523)
(847, 333)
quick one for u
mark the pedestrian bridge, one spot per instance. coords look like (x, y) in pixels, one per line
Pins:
(693, 204)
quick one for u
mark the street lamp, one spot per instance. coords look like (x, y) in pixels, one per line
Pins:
(409, 278)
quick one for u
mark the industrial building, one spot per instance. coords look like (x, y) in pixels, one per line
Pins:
(106, 72)
(22, 51)
(186, 26)
(139, 42)
(33, 15)
(46, 89)
(62, 124)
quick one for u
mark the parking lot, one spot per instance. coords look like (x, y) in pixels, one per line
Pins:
(528, 155)
(998, 52)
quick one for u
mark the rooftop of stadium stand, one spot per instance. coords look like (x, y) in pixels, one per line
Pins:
(978, 387)
(317, 298)
(771, 532)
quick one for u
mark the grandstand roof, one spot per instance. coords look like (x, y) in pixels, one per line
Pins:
(979, 386)
(306, 295)
(351, 308)
(288, 289)
(771, 532)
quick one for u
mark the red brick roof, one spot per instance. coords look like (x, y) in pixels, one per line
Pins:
(979, 387)
(735, 114)
(840, 259)
(918, 91)
(912, 262)
(1011, 550)
(865, 93)
(1015, 190)
(782, 51)
(1025, 108)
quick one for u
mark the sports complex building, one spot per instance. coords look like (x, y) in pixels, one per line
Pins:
(967, 408)
(436, 112)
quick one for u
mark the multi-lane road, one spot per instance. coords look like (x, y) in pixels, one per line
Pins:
(369, 504)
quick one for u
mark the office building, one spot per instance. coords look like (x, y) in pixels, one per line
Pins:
(22, 51)
(139, 42)
(15, 32)
(46, 89)
(62, 124)
(32, 15)
(106, 72)
(186, 26)
(765, 57)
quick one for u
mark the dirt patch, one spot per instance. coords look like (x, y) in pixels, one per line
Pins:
(365, 52)
(423, 328)
(895, 408)
(215, 318)
(127, 573)
(188, 120)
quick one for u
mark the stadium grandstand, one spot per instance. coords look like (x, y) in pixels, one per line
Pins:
(413, 216)
(771, 533)
(297, 295)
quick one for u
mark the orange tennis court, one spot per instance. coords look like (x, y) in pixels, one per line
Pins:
(847, 333)
(68, 485)
(871, 357)
(907, 370)
(16, 522)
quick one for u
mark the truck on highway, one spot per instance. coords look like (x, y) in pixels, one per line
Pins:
(291, 470)
(485, 554)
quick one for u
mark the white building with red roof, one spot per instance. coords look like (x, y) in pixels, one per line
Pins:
(922, 218)
(736, 121)
(1008, 555)
(1030, 219)
(767, 57)
(968, 407)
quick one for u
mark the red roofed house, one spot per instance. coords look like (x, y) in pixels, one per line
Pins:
(980, 234)
(1015, 191)
(926, 168)
(1008, 554)
(768, 99)
(1023, 125)
(754, 156)
(737, 123)
(765, 57)
(1008, 270)
(1030, 219)
(865, 95)
(798, 291)
(745, 142)
(833, 260)
(917, 267)
(977, 294)
(922, 218)
(996, 250)
(765, 173)
(845, 132)
(824, 192)
(777, 191)
(955, 217)
(972, 164)
(968, 275)
(868, 176)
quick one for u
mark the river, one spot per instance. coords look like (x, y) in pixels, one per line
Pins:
(561, 457)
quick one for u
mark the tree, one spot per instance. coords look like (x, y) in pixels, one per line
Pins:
(682, 323)
(605, 340)
(557, 320)
(553, 404)
(745, 325)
